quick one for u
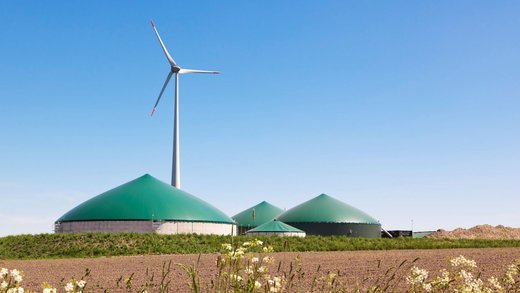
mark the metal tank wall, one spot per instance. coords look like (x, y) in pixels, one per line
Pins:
(195, 227)
(347, 229)
(160, 227)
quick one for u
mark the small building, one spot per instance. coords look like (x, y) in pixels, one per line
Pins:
(256, 216)
(144, 205)
(325, 215)
(276, 228)
(398, 233)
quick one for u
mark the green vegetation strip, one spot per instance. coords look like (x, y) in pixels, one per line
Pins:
(44, 246)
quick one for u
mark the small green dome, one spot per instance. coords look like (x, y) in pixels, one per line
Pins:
(263, 212)
(146, 198)
(325, 209)
(275, 227)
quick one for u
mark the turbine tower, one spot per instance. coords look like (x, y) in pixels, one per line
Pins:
(177, 71)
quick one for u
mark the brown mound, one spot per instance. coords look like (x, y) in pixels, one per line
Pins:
(479, 232)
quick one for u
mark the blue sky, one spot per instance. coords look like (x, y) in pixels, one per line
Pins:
(406, 110)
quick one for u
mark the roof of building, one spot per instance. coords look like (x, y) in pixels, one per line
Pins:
(325, 209)
(276, 227)
(146, 198)
(263, 212)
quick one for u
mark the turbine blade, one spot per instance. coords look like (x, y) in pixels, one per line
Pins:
(162, 91)
(168, 56)
(198, 71)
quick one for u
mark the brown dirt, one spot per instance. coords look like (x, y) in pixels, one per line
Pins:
(479, 232)
(352, 265)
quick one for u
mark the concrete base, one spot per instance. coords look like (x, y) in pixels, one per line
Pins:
(160, 227)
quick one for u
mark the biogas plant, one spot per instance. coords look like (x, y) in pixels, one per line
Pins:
(148, 205)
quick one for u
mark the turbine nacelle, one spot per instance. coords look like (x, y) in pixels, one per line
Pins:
(177, 69)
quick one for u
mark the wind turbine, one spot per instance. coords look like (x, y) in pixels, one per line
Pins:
(177, 71)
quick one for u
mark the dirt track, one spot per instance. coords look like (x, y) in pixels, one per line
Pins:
(353, 266)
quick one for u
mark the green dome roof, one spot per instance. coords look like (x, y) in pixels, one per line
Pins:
(325, 209)
(264, 212)
(146, 198)
(275, 226)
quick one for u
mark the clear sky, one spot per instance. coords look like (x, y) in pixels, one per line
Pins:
(404, 109)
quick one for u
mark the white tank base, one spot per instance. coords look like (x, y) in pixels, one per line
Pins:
(160, 227)
(290, 234)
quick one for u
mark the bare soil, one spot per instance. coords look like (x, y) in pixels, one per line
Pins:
(479, 232)
(353, 266)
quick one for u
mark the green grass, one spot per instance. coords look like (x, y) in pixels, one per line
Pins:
(43, 246)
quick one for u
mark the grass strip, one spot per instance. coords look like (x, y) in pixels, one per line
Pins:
(87, 245)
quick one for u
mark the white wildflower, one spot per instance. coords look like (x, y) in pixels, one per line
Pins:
(470, 283)
(249, 270)
(427, 287)
(258, 242)
(16, 275)
(475, 285)
(258, 285)
(262, 270)
(81, 283)
(227, 246)
(49, 290)
(254, 259)
(69, 287)
(512, 271)
(236, 254)
(495, 283)
(461, 261)
(275, 284)
(3, 272)
(467, 276)
(246, 244)
(267, 259)
(445, 277)
(267, 249)
(3, 285)
(235, 278)
(417, 276)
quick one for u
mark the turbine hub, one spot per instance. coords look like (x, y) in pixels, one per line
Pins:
(176, 69)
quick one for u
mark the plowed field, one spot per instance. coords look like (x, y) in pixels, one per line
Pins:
(353, 266)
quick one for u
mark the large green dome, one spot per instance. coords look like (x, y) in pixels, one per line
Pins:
(146, 198)
(325, 209)
(263, 212)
